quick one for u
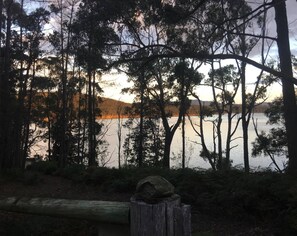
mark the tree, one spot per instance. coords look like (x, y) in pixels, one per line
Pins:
(20, 52)
(164, 86)
(204, 112)
(60, 40)
(145, 141)
(93, 33)
(6, 97)
(274, 143)
(290, 109)
(120, 113)
(46, 105)
(219, 80)
(186, 77)
(152, 141)
(33, 25)
(197, 25)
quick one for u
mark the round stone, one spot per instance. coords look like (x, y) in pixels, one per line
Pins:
(154, 189)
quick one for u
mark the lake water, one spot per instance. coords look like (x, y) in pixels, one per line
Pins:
(193, 147)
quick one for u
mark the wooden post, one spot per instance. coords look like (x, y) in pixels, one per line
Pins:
(158, 216)
(182, 220)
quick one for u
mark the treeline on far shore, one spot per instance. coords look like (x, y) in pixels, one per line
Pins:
(113, 109)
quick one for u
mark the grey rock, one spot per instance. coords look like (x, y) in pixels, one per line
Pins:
(154, 189)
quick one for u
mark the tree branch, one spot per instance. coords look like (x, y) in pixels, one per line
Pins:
(203, 56)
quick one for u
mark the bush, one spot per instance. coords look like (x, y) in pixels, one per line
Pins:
(12, 174)
(74, 172)
(45, 167)
(265, 197)
(98, 175)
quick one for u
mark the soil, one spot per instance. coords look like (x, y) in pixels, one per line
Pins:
(57, 187)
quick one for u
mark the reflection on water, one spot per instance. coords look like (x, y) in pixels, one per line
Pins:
(193, 147)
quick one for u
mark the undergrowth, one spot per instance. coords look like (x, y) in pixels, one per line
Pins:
(266, 196)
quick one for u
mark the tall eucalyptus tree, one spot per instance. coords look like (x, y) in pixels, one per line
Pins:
(289, 97)
(94, 34)
(20, 50)
(60, 39)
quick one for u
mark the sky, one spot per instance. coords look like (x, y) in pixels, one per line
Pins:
(120, 80)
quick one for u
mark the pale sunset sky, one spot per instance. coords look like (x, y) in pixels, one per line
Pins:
(120, 80)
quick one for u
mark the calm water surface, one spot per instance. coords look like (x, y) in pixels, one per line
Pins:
(193, 147)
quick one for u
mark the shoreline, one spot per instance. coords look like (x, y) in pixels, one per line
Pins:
(112, 117)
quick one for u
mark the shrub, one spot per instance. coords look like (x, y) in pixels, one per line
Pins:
(45, 167)
(74, 172)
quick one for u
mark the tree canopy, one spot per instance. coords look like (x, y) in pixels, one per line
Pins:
(160, 45)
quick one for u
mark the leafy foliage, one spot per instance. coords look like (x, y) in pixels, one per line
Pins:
(273, 143)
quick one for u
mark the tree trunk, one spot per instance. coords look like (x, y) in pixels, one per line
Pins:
(245, 124)
(119, 133)
(1, 21)
(230, 134)
(167, 146)
(20, 109)
(220, 110)
(94, 115)
(5, 97)
(244, 120)
(141, 136)
(220, 146)
(205, 150)
(49, 127)
(289, 97)
(1, 57)
(91, 161)
(183, 142)
(28, 115)
(79, 120)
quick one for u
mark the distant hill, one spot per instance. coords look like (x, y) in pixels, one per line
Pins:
(260, 108)
(196, 103)
(110, 108)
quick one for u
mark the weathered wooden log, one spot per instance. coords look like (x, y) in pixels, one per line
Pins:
(154, 211)
(99, 211)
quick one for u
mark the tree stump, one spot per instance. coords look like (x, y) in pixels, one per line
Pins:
(156, 211)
